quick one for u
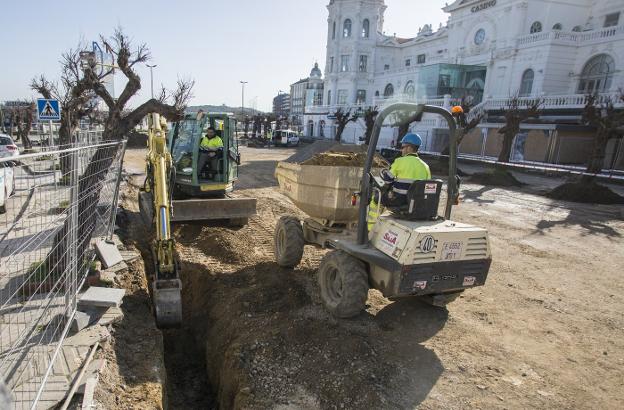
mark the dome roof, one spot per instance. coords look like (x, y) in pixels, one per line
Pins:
(316, 72)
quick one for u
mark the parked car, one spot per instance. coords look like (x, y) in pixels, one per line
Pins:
(286, 138)
(7, 147)
(7, 183)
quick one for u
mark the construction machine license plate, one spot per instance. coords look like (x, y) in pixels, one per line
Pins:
(451, 251)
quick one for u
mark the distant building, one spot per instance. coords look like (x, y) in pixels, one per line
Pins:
(297, 102)
(488, 50)
(281, 105)
(307, 92)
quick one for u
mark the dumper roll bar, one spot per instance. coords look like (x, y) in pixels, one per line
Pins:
(365, 186)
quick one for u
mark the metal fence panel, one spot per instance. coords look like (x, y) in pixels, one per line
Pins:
(53, 205)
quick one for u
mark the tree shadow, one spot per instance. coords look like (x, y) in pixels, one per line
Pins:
(476, 195)
(592, 220)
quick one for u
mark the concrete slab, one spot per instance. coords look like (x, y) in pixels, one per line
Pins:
(102, 297)
(129, 256)
(81, 320)
(111, 316)
(108, 253)
(121, 266)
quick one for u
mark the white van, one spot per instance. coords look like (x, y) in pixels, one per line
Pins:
(286, 138)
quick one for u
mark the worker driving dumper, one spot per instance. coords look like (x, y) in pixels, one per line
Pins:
(404, 170)
(209, 146)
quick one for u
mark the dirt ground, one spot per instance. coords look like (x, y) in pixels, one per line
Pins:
(546, 331)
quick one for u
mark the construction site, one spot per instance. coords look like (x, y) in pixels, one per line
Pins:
(456, 244)
(544, 332)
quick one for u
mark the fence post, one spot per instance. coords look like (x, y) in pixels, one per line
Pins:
(113, 218)
(74, 225)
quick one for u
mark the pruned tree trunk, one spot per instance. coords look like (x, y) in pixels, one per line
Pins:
(508, 138)
(599, 152)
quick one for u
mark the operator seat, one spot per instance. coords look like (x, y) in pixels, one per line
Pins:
(420, 204)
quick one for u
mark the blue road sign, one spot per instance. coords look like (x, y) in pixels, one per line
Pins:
(48, 110)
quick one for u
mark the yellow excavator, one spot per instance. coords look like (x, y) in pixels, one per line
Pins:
(167, 196)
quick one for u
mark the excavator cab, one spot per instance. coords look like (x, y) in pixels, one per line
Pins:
(219, 168)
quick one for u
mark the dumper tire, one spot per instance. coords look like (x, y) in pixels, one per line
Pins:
(288, 242)
(343, 280)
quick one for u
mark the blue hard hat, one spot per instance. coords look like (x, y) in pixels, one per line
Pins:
(412, 139)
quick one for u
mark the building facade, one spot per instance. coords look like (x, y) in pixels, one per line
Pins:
(307, 92)
(281, 105)
(489, 50)
(297, 102)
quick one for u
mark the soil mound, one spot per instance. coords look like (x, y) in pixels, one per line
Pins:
(496, 177)
(137, 140)
(345, 159)
(585, 192)
(319, 147)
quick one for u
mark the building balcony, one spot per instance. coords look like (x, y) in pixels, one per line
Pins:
(570, 37)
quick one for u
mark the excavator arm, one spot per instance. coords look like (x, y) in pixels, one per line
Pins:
(156, 196)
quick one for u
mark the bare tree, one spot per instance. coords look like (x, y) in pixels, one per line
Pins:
(119, 121)
(462, 121)
(608, 122)
(516, 112)
(343, 118)
(21, 116)
(370, 115)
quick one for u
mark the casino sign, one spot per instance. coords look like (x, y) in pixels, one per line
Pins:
(483, 6)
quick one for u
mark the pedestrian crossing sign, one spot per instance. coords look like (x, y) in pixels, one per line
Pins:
(48, 110)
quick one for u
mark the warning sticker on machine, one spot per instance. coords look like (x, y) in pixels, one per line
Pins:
(431, 188)
(469, 280)
(420, 285)
(451, 251)
(388, 242)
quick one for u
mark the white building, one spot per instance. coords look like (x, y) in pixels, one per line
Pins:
(559, 50)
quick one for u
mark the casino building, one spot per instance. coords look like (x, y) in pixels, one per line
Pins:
(489, 50)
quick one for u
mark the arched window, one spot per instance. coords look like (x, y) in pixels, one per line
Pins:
(526, 85)
(346, 30)
(597, 75)
(376, 93)
(410, 90)
(334, 31)
(536, 27)
(577, 29)
(365, 28)
(329, 97)
(389, 91)
(558, 27)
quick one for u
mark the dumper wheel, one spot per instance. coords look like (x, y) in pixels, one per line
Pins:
(288, 242)
(344, 284)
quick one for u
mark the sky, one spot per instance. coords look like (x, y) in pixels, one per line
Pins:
(270, 44)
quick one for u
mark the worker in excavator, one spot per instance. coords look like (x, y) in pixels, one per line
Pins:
(404, 170)
(209, 145)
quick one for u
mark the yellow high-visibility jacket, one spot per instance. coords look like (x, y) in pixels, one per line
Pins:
(211, 143)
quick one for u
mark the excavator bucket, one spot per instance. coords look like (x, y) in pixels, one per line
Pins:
(237, 210)
(207, 209)
(167, 296)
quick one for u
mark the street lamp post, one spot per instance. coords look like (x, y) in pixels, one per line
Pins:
(243, 102)
(151, 67)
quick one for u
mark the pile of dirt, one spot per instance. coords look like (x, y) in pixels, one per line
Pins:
(345, 159)
(496, 177)
(588, 192)
(319, 147)
(137, 139)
